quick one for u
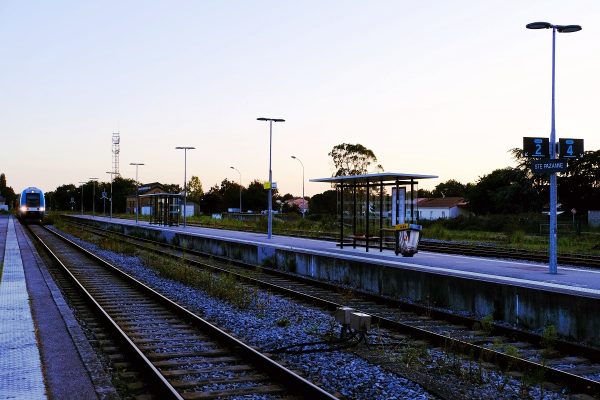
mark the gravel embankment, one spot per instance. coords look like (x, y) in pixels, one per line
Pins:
(339, 372)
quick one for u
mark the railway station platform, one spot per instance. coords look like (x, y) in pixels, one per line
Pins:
(516, 292)
(20, 364)
(43, 352)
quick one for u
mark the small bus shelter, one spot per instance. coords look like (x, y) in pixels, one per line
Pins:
(372, 208)
(165, 208)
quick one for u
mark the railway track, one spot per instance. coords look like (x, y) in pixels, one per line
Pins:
(181, 355)
(567, 364)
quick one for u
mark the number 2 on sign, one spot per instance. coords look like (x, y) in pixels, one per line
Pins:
(538, 149)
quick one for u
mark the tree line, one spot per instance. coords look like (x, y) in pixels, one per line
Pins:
(508, 190)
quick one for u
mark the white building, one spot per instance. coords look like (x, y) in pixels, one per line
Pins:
(445, 207)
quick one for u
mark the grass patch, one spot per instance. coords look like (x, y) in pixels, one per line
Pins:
(220, 285)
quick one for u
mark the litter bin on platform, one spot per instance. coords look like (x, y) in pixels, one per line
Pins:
(407, 239)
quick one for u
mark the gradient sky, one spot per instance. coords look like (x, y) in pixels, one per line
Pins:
(436, 87)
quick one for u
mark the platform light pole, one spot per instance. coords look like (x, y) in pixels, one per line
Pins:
(82, 183)
(112, 173)
(270, 198)
(137, 191)
(238, 171)
(93, 196)
(303, 200)
(185, 149)
(552, 264)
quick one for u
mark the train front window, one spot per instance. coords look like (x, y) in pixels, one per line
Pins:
(32, 199)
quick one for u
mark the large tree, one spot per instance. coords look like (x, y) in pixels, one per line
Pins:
(324, 203)
(352, 159)
(6, 191)
(504, 191)
(194, 189)
(450, 188)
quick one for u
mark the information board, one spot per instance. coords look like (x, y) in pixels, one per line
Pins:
(570, 148)
(536, 147)
(548, 166)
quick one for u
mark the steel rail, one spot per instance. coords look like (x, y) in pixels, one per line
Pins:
(284, 376)
(575, 382)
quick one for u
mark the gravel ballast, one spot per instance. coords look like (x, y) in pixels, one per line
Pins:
(341, 373)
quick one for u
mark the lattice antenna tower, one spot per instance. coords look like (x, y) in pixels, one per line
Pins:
(116, 149)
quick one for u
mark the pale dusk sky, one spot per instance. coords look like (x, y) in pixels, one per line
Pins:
(438, 87)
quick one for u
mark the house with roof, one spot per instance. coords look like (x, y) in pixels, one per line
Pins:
(148, 188)
(441, 207)
(299, 202)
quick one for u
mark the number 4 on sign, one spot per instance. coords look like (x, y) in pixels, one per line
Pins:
(570, 148)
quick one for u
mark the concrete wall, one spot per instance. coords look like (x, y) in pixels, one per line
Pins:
(575, 317)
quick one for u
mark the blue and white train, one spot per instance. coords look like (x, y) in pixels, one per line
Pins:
(32, 204)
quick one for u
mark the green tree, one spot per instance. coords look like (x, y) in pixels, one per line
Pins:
(324, 203)
(6, 191)
(579, 187)
(352, 159)
(60, 198)
(255, 197)
(122, 187)
(212, 201)
(450, 188)
(503, 191)
(194, 188)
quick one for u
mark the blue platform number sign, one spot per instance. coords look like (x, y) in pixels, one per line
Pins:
(570, 148)
(535, 147)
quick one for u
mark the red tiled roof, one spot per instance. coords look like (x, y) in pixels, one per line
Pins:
(442, 202)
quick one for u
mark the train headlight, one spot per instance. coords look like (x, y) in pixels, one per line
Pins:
(23, 208)
(42, 208)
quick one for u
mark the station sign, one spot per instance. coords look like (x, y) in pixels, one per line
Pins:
(548, 166)
(570, 148)
(536, 147)
(267, 185)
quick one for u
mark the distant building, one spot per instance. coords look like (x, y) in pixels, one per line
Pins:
(299, 202)
(442, 207)
(3, 205)
(149, 188)
(594, 218)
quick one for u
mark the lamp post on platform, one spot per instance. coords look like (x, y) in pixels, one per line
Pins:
(137, 191)
(82, 183)
(270, 198)
(552, 264)
(185, 149)
(238, 171)
(111, 191)
(303, 200)
(93, 196)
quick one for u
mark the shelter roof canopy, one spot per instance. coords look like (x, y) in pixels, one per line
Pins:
(376, 177)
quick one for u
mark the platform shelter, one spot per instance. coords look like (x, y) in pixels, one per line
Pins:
(371, 206)
(165, 208)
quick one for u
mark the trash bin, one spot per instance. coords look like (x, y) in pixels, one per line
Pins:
(407, 239)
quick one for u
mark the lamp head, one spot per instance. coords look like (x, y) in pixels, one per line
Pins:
(294, 157)
(539, 25)
(568, 28)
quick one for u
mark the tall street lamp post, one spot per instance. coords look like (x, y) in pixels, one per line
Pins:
(82, 183)
(552, 264)
(303, 200)
(111, 192)
(238, 171)
(93, 196)
(185, 149)
(270, 198)
(137, 191)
